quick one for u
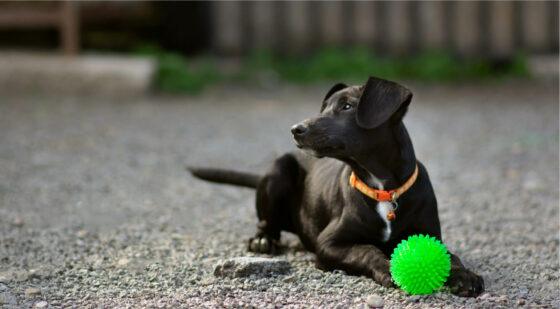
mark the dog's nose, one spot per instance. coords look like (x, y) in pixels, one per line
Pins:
(299, 129)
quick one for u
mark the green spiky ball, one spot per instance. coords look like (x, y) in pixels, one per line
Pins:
(420, 264)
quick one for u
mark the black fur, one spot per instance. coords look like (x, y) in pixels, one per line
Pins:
(307, 192)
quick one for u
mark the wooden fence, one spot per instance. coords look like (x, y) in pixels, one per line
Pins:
(470, 28)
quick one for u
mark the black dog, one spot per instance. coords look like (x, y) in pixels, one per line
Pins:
(331, 193)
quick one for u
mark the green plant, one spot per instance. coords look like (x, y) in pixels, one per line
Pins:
(177, 73)
(356, 64)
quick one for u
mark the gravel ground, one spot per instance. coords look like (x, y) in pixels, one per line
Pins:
(96, 209)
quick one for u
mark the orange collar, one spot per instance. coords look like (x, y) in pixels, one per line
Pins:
(381, 195)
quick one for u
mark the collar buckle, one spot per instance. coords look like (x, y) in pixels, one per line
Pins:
(383, 196)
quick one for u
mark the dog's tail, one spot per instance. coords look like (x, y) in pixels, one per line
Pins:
(226, 176)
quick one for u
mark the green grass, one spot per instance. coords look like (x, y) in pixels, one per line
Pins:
(178, 74)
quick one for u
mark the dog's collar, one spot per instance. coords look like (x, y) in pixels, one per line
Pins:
(382, 195)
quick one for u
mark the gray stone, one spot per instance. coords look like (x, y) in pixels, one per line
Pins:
(290, 278)
(7, 299)
(247, 266)
(22, 275)
(375, 301)
(17, 222)
(41, 304)
(32, 292)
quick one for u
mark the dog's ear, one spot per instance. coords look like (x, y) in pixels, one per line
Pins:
(334, 89)
(380, 100)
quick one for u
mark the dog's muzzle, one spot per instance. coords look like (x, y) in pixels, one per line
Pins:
(299, 129)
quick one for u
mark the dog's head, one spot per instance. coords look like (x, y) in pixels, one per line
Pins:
(353, 119)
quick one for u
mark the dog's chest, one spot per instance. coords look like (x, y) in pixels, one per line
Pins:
(383, 208)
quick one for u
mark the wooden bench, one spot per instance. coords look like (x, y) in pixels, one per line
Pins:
(63, 15)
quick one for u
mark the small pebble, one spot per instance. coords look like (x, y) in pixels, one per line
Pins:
(18, 222)
(34, 273)
(291, 278)
(123, 262)
(375, 301)
(503, 299)
(41, 304)
(32, 292)
(444, 296)
(22, 275)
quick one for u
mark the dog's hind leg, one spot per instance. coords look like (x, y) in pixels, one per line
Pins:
(275, 194)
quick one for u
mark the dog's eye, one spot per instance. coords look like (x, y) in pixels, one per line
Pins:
(347, 106)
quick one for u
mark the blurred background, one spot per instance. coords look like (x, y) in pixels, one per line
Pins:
(195, 44)
(103, 104)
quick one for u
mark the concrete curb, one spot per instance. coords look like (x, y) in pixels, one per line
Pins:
(87, 74)
(544, 66)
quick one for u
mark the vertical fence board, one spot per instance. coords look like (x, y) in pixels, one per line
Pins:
(398, 26)
(364, 23)
(226, 29)
(553, 26)
(449, 24)
(535, 25)
(332, 23)
(315, 18)
(263, 24)
(484, 39)
(280, 31)
(381, 26)
(297, 30)
(517, 25)
(466, 31)
(431, 17)
(348, 23)
(415, 26)
(501, 28)
(246, 22)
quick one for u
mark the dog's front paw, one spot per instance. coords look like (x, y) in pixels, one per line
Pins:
(465, 283)
(382, 276)
(263, 244)
(384, 280)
